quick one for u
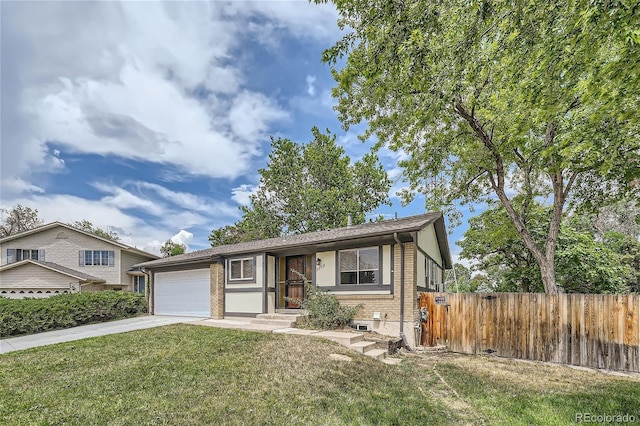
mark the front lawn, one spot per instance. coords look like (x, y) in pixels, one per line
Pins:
(188, 374)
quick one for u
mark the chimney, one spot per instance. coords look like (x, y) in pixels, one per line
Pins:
(349, 221)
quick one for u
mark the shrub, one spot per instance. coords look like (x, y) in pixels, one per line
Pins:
(325, 311)
(28, 316)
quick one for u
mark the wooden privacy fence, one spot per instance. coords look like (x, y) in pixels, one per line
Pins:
(592, 330)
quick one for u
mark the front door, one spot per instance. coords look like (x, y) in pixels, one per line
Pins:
(294, 285)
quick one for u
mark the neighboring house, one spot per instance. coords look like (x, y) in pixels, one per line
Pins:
(58, 258)
(380, 265)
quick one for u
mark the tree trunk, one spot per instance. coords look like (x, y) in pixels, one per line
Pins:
(547, 269)
(545, 260)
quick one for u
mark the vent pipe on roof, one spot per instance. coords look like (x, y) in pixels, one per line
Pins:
(349, 221)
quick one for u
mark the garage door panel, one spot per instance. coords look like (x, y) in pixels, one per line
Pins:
(185, 293)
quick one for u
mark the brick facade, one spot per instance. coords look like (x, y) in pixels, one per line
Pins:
(217, 290)
(389, 304)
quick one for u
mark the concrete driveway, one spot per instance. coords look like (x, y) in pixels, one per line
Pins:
(92, 330)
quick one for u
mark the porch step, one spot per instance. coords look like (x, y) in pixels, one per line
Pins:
(284, 320)
(345, 339)
(274, 322)
(281, 316)
(363, 346)
(392, 361)
(377, 354)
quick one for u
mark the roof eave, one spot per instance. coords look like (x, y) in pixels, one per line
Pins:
(283, 248)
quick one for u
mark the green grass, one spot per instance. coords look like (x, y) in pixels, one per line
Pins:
(187, 374)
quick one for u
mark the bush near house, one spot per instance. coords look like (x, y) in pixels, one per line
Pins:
(28, 316)
(325, 311)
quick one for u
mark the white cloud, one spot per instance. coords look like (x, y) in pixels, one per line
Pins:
(299, 18)
(311, 80)
(242, 194)
(148, 81)
(183, 237)
(15, 185)
(256, 105)
(123, 199)
(67, 209)
(188, 201)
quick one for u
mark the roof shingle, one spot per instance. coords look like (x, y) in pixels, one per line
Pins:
(371, 229)
(58, 268)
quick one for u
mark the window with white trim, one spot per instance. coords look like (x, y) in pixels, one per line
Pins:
(96, 258)
(241, 269)
(360, 266)
(138, 283)
(434, 275)
(17, 255)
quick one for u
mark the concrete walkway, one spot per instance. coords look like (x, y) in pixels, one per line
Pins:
(92, 330)
(354, 341)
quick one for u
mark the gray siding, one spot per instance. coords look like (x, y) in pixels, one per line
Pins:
(64, 251)
(126, 262)
(34, 278)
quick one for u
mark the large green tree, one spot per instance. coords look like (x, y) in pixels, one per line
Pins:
(308, 187)
(18, 219)
(583, 264)
(491, 99)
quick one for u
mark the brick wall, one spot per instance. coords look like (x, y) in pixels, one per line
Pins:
(217, 290)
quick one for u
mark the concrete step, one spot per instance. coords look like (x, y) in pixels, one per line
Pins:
(277, 319)
(363, 346)
(277, 316)
(377, 354)
(275, 322)
(345, 339)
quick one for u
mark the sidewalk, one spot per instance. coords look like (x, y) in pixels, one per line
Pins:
(85, 331)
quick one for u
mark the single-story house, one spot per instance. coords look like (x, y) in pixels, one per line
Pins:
(381, 265)
(58, 258)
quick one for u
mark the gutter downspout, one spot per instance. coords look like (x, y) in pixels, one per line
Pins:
(404, 337)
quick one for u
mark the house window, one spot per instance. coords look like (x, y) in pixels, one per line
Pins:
(241, 269)
(96, 258)
(360, 266)
(138, 283)
(16, 255)
(433, 279)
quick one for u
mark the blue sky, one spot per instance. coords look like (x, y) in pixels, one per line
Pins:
(152, 119)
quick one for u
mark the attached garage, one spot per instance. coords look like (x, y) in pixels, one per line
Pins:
(184, 293)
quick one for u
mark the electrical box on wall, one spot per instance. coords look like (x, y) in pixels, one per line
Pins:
(376, 316)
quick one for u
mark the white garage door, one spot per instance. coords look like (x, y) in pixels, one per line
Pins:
(184, 293)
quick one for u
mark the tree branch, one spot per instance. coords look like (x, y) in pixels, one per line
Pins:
(570, 183)
(483, 171)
